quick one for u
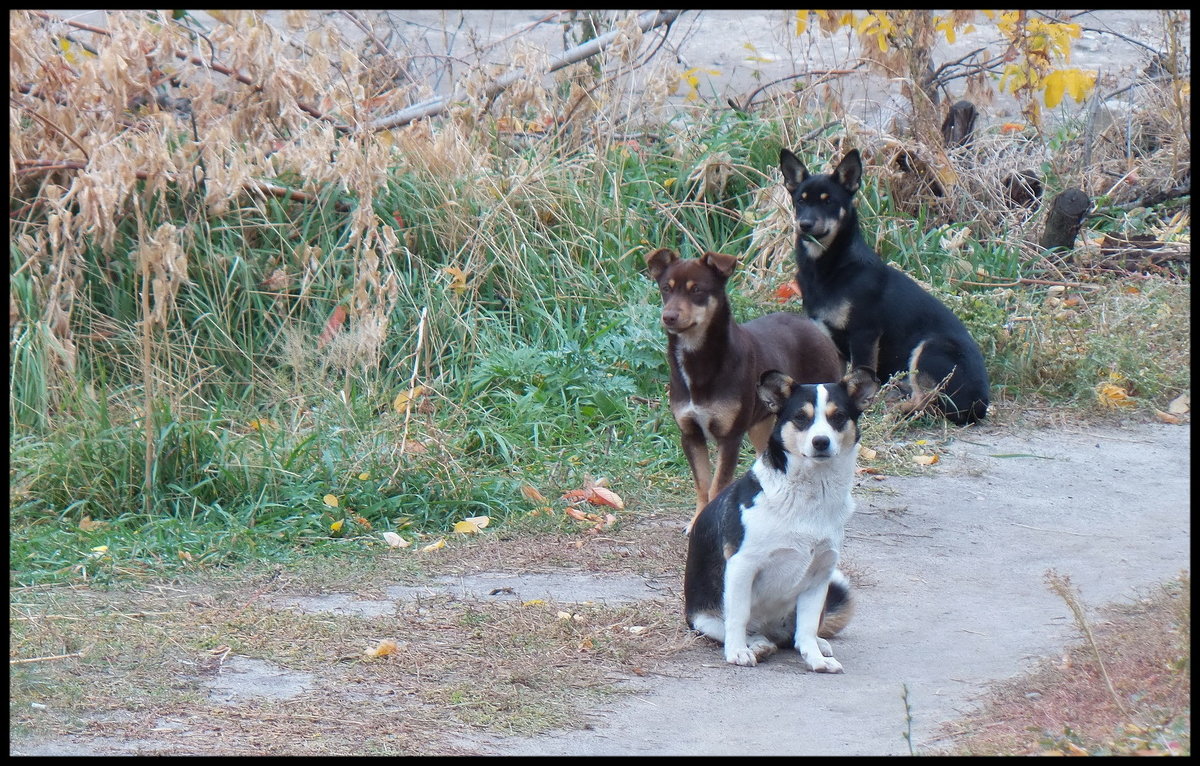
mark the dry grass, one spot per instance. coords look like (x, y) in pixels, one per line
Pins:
(462, 667)
(1066, 707)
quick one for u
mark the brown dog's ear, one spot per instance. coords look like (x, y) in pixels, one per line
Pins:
(848, 173)
(862, 385)
(793, 170)
(658, 261)
(774, 388)
(724, 264)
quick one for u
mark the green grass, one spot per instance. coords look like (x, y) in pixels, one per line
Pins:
(545, 369)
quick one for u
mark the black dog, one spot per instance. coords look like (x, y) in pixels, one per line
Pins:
(880, 319)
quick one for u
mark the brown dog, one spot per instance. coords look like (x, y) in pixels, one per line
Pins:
(716, 363)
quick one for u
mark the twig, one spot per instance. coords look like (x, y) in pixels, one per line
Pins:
(1064, 531)
(1027, 281)
(47, 659)
(749, 100)
(647, 21)
(412, 382)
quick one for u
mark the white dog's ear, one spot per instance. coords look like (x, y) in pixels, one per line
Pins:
(848, 173)
(793, 170)
(658, 261)
(774, 388)
(862, 385)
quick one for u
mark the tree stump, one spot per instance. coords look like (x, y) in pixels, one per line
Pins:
(1064, 219)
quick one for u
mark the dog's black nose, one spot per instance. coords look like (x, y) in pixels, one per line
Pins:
(805, 226)
(820, 443)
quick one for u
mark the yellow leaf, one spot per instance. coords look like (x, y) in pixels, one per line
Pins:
(533, 602)
(404, 399)
(667, 184)
(259, 424)
(87, 525)
(337, 525)
(472, 525)
(395, 541)
(364, 476)
(184, 555)
(330, 500)
(1113, 396)
(441, 543)
(1055, 86)
(801, 22)
(100, 549)
(925, 459)
(458, 279)
(386, 647)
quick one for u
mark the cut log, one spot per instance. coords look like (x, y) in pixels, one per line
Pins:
(1064, 218)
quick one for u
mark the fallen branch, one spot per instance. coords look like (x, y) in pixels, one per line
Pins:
(1027, 281)
(749, 100)
(27, 660)
(646, 21)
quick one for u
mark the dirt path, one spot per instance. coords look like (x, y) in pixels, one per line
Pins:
(953, 597)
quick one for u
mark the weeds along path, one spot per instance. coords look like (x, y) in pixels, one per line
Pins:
(952, 595)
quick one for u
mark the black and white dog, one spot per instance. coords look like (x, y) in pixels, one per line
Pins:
(882, 321)
(762, 559)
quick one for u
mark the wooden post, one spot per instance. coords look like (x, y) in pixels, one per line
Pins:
(1064, 219)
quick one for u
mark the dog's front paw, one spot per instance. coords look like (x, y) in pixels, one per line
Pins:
(824, 646)
(822, 664)
(743, 655)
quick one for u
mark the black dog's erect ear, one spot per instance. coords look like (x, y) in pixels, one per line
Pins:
(848, 173)
(793, 170)
(862, 385)
(658, 261)
(774, 388)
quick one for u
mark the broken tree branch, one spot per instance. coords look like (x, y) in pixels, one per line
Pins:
(646, 21)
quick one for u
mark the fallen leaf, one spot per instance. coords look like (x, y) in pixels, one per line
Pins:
(395, 541)
(362, 522)
(1180, 405)
(602, 496)
(637, 630)
(586, 644)
(925, 459)
(330, 500)
(336, 320)
(259, 424)
(1167, 417)
(404, 399)
(866, 453)
(533, 602)
(364, 476)
(532, 494)
(563, 615)
(185, 556)
(386, 647)
(441, 543)
(577, 514)
(472, 525)
(87, 525)
(1113, 396)
(787, 292)
(337, 525)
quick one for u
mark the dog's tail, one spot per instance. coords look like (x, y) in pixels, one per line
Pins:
(839, 606)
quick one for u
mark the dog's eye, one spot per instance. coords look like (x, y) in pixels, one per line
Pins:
(838, 419)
